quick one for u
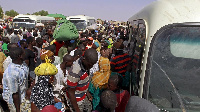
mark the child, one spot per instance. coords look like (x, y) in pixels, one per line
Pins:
(114, 84)
(109, 101)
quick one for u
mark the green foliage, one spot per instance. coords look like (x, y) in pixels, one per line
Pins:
(42, 13)
(1, 12)
(11, 13)
(28, 14)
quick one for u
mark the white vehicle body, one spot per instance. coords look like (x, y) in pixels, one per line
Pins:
(81, 21)
(29, 21)
(154, 20)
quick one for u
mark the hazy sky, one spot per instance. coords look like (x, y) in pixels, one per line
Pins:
(104, 9)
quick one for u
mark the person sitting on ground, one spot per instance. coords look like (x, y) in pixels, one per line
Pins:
(109, 101)
(14, 80)
(115, 84)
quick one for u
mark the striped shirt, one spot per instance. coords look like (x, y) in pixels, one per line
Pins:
(78, 78)
(119, 63)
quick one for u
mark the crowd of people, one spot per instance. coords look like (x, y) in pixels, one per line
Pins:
(93, 72)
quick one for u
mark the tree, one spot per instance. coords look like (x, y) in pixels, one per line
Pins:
(28, 14)
(11, 13)
(1, 12)
(42, 13)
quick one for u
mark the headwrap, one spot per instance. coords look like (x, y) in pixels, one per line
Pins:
(90, 38)
(97, 44)
(45, 53)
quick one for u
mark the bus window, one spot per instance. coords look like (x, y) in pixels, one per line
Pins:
(174, 69)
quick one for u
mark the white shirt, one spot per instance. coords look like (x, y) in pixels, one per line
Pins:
(95, 67)
(60, 79)
(6, 62)
(72, 52)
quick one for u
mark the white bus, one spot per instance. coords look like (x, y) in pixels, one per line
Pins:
(81, 21)
(167, 54)
(29, 21)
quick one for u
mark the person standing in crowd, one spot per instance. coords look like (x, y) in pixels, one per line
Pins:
(63, 50)
(95, 67)
(115, 83)
(119, 63)
(49, 36)
(15, 80)
(39, 43)
(80, 47)
(90, 42)
(121, 60)
(100, 78)
(77, 54)
(30, 56)
(23, 45)
(8, 60)
(9, 34)
(78, 82)
(35, 35)
(61, 77)
(42, 92)
(20, 35)
(24, 32)
(84, 41)
(108, 101)
(3, 57)
(29, 33)
(6, 41)
(15, 38)
(58, 44)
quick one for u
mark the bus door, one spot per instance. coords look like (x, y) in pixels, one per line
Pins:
(138, 38)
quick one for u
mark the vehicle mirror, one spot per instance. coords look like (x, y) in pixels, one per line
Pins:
(137, 104)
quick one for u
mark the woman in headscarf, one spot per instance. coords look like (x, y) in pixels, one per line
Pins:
(100, 78)
(42, 92)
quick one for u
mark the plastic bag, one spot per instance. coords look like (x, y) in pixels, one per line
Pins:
(46, 68)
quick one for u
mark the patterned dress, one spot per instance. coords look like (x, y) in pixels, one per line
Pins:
(42, 93)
